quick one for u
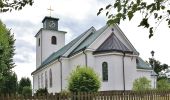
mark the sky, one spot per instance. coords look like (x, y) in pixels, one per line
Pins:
(76, 16)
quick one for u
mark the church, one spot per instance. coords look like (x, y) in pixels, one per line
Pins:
(107, 50)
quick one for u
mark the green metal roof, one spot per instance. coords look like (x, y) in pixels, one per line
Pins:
(89, 40)
(141, 64)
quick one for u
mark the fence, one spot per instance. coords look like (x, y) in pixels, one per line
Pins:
(107, 95)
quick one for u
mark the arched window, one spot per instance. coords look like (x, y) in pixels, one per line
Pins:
(105, 71)
(46, 80)
(50, 77)
(53, 40)
(42, 81)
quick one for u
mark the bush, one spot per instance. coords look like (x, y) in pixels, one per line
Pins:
(27, 91)
(42, 91)
(141, 84)
(163, 84)
(83, 79)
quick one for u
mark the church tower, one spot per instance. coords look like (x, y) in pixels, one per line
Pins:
(48, 40)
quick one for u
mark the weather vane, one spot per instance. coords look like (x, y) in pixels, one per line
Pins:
(50, 10)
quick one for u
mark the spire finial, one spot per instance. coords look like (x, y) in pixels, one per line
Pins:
(50, 10)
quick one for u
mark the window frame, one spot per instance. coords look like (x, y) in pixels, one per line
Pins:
(54, 40)
(50, 78)
(105, 72)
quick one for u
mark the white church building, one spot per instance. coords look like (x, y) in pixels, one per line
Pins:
(107, 50)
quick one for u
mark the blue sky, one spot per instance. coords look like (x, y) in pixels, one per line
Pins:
(76, 16)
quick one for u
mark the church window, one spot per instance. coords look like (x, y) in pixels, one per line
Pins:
(38, 41)
(46, 80)
(50, 77)
(105, 71)
(38, 81)
(42, 85)
(53, 40)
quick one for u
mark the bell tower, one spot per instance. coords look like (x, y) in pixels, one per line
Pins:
(48, 39)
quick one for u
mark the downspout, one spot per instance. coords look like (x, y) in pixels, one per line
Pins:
(61, 73)
(85, 56)
(123, 61)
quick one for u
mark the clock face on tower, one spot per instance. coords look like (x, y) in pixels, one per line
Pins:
(51, 24)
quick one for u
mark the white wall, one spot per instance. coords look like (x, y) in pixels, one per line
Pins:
(38, 49)
(115, 81)
(47, 47)
(55, 67)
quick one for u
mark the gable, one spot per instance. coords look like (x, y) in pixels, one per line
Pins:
(118, 35)
(112, 43)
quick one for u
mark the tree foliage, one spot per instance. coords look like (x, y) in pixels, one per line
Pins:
(163, 84)
(6, 50)
(8, 79)
(9, 5)
(141, 84)
(83, 79)
(24, 82)
(27, 91)
(126, 9)
(8, 84)
(157, 66)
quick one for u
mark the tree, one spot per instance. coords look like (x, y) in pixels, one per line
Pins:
(9, 84)
(7, 49)
(158, 67)
(24, 82)
(8, 79)
(163, 84)
(141, 84)
(83, 79)
(158, 10)
(6, 5)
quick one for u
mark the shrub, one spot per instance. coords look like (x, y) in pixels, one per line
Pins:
(163, 84)
(141, 84)
(42, 91)
(27, 91)
(83, 79)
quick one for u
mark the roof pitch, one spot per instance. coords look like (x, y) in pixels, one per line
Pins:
(89, 40)
(112, 43)
(141, 64)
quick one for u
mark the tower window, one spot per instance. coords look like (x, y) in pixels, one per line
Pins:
(53, 40)
(38, 41)
(105, 71)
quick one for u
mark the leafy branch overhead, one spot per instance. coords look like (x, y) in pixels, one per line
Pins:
(9, 5)
(126, 9)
